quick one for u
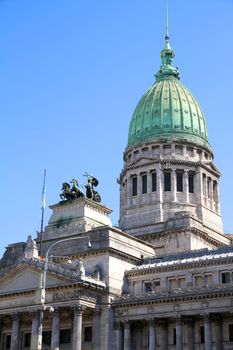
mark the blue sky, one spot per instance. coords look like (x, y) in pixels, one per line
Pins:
(71, 74)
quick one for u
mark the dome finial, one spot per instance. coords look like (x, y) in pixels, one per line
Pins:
(167, 71)
(167, 42)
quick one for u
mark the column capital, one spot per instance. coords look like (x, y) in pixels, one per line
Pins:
(117, 325)
(206, 317)
(78, 309)
(57, 311)
(217, 318)
(15, 316)
(179, 319)
(126, 323)
(189, 321)
(97, 312)
(151, 321)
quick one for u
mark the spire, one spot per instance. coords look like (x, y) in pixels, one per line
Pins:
(167, 71)
(167, 42)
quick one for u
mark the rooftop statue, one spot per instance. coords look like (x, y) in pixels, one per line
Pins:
(74, 192)
(69, 193)
(90, 192)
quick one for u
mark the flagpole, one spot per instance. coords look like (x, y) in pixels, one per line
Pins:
(42, 212)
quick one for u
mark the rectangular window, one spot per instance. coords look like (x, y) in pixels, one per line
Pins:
(208, 279)
(27, 340)
(8, 341)
(156, 285)
(144, 183)
(179, 182)
(181, 282)
(65, 336)
(134, 186)
(147, 287)
(47, 337)
(167, 181)
(154, 181)
(87, 334)
(191, 183)
(174, 336)
(225, 277)
(198, 282)
(172, 283)
(230, 327)
(202, 335)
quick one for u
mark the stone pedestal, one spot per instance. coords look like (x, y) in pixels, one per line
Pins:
(77, 216)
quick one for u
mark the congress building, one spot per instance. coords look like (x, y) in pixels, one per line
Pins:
(163, 279)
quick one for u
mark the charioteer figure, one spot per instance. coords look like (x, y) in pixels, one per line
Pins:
(90, 192)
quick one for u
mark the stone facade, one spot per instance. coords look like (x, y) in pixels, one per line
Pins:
(163, 279)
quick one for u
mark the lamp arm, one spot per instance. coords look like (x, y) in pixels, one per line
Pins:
(44, 274)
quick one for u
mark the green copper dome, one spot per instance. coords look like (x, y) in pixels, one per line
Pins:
(168, 111)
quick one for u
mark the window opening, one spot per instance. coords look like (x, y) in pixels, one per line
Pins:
(8, 341)
(230, 327)
(144, 183)
(167, 181)
(154, 182)
(47, 337)
(225, 276)
(65, 336)
(148, 287)
(191, 183)
(202, 335)
(27, 340)
(87, 334)
(174, 336)
(179, 182)
(134, 186)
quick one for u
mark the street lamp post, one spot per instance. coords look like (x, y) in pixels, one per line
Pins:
(38, 343)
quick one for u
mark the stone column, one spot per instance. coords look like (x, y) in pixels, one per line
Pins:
(217, 198)
(127, 340)
(96, 330)
(179, 333)
(211, 184)
(199, 186)
(190, 334)
(163, 336)
(160, 190)
(218, 332)
(1, 326)
(77, 328)
(55, 330)
(208, 332)
(15, 332)
(118, 336)
(186, 187)
(173, 185)
(152, 335)
(36, 339)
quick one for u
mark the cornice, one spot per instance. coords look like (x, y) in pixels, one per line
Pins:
(189, 294)
(181, 266)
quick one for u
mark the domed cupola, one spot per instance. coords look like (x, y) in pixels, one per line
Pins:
(168, 111)
(169, 181)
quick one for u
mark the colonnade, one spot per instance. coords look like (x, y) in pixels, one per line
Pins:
(158, 334)
(76, 332)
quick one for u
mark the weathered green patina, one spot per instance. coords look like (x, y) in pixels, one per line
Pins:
(168, 111)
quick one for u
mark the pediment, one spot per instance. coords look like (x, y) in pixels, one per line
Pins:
(25, 277)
